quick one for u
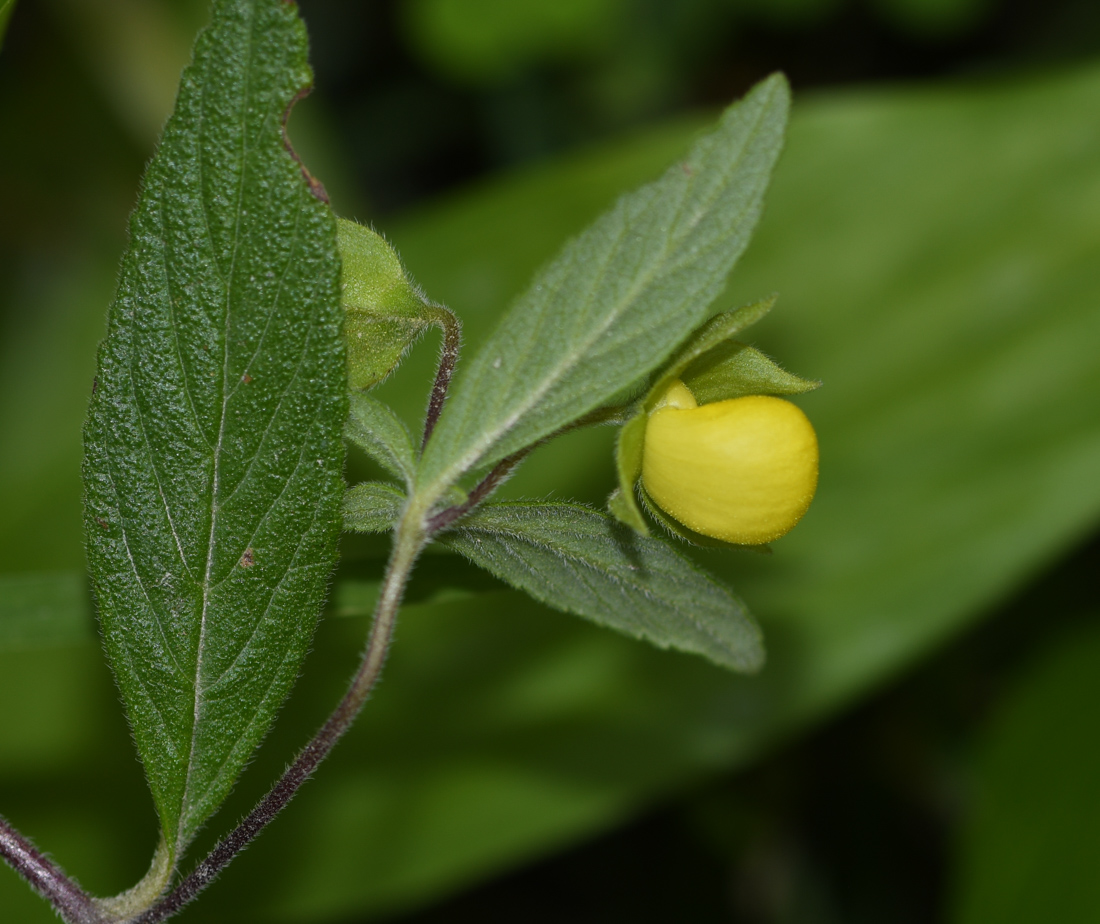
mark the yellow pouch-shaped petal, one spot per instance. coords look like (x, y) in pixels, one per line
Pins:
(743, 470)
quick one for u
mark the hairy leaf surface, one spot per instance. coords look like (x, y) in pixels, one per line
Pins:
(213, 446)
(385, 312)
(582, 561)
(381, 434)
(372, 507)
(619, 298)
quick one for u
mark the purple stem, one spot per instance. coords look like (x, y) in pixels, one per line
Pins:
(71, 902)
(309, 759)
(448, 357)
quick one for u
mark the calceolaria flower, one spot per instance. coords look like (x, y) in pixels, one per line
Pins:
(743, 470)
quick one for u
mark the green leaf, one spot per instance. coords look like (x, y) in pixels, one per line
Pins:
(618, 299)
(734, 370)
(381, 434)
(373, 507)
(583, 562)
(41, 610)
(386, 312)
(1030, 842)
(6, 8)
(213, 446)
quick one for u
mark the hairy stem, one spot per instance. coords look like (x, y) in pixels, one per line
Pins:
(408, 542)
(500, 473)
(71, 902)
(452, 342)
(503, 470)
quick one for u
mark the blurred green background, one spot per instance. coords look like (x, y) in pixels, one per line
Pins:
(923, 745)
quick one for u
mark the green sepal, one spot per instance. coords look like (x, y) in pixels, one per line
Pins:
(373, 507)
(622, 506)
(734, 370)
(628, 465)
(676, 528)
(385, 312)
(711, 335)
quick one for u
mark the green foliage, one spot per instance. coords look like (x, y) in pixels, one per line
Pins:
(1029, 849)
(582, 561)
(734, 370)
(39, 610)
(385, 311)
(6, 8)
(382, 435)
(486, 40)
(372, 507)
(628, 466)
(213, 442)
(939, 19)
(617, 300)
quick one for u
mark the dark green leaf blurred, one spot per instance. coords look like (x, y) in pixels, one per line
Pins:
(1030, 852)
(937, 255)
(39, 610)
(7, 7)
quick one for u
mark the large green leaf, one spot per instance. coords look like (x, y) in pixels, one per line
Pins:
(1030, 847)
(584, 562)
(6, 8)
(43, 609)
(618, 299)
(214, 439)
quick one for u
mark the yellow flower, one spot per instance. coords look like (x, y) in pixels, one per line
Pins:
(742, 470)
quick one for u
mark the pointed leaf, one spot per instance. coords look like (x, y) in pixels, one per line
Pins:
(734, 370)
(385, 310)
(381, 434)
(711, 335)
(373, 507)
(618, 299)
(213, 446)
(582, 561)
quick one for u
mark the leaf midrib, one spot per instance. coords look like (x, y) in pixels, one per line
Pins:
(227, 283)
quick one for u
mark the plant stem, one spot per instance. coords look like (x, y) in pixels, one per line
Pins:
(71, 902)
(452, 343)
(408, 542)
(503, 470)
(500, 473)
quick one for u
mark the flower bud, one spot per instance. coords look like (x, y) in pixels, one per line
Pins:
(742, 470)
